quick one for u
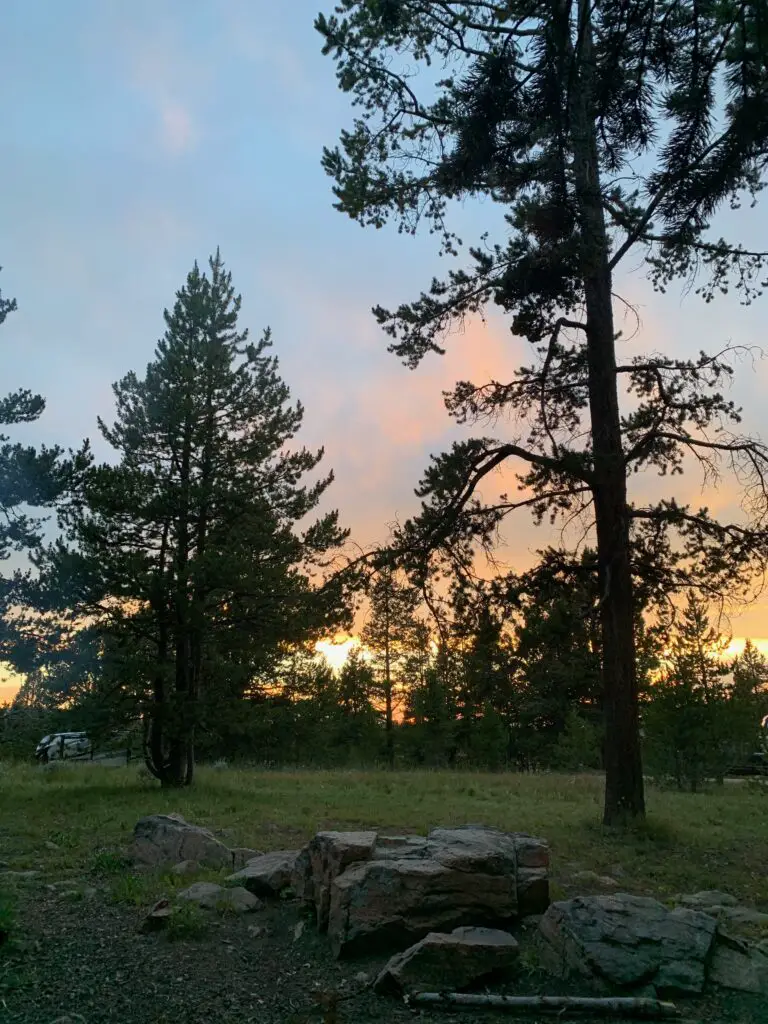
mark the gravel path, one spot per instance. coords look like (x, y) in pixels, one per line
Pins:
(88, 962)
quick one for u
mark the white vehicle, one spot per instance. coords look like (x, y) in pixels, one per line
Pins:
(61, 745)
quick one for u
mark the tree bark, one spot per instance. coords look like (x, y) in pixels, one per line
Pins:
(624, 1006)
(389, 725)
(624, 794)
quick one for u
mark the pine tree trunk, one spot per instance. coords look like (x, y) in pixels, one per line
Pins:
(154, 745)
(389, 725)
(624, 796)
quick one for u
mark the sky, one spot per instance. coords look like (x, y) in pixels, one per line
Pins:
(136, 138)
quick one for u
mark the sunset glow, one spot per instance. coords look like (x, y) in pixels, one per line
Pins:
(336, 652)
(736, 646)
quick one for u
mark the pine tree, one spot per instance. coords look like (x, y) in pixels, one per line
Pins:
(28, 478)
(606, 131)
(387, 635)
(190, 545)
(694, 722)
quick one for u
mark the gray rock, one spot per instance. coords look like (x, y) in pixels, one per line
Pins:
(707, 898)
(739, 965)
(396, 847)
(204, 894)
(241, 855)
(238, 901)
(743, 915)
(215, 897)
(324, 858)
(441, 961)
(392, 903)
(158, 917)
(628, 941)
(268, 874)
(185, 867)
(379, 892)
(161, 839)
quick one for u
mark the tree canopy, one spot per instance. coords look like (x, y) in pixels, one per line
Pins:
(605, 132)
(197, 550)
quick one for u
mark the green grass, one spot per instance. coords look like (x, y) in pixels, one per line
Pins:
(716, 839)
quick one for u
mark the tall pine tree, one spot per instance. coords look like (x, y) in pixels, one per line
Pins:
(198, 544)
(607, 131)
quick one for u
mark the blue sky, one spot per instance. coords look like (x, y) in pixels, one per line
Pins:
(139, 136)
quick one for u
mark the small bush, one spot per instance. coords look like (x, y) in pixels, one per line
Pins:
(186, 922)
(107, 862)
(129, 889)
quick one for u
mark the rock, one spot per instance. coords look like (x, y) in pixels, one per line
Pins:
(440, 961)
(204, 894)
(241, 855)
(215, 897)
(470, 875)
(395, 847)
(238, 901)
(49, 845)
(268, 874)
(386, 904)
(158, 917)
(742, 915)
(628, 941)
(301, 877)
(185, 867)
(167, 839)
(739, 965)
(707, 898)
(70, 1018)
(255, 929)
(328, 854)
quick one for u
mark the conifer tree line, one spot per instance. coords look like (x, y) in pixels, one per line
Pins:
(177, 610)
(193, 574)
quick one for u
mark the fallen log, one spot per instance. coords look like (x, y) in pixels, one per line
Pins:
(624, 1006)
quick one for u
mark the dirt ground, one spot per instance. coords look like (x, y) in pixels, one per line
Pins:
(88, 962)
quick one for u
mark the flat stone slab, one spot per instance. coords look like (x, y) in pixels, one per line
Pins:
(449, 961)
(215, 897)
(267, 874)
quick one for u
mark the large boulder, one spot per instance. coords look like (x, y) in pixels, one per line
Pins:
(392, 903)
(241, 855)
(325, 857)
(739, 965)
(167, 839)
(470, 875)
(267, 874)
(453, 961)
(629, 941)
(373, 892)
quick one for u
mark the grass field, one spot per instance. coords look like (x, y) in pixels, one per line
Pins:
(71, 824)
(714, 839)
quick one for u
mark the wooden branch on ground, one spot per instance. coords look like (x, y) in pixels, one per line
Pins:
(625, 1006)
